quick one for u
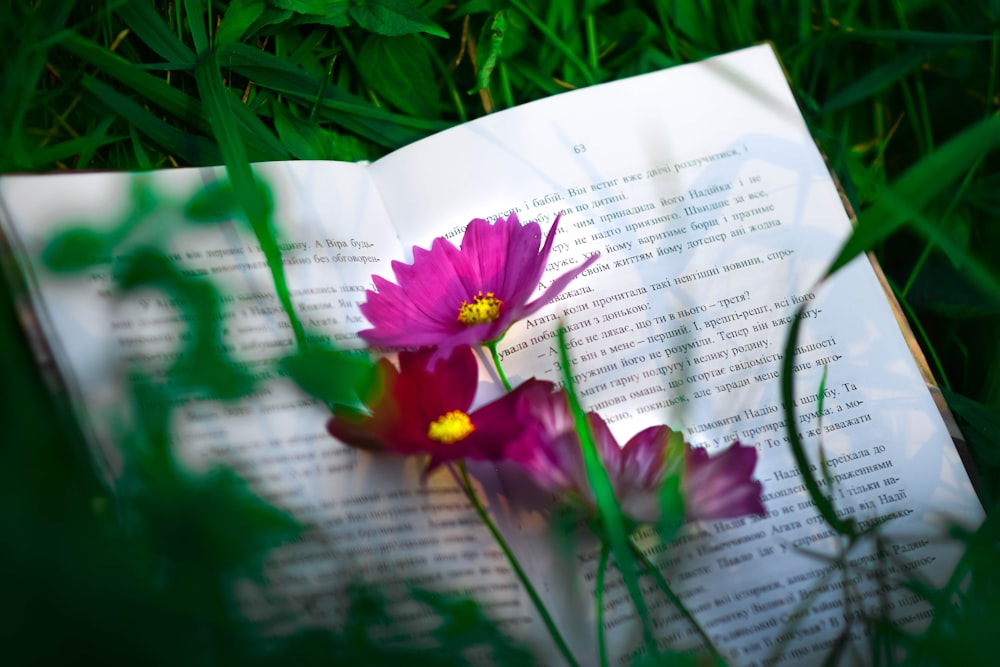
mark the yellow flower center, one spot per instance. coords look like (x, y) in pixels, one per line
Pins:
(482, 309)
(451, 427)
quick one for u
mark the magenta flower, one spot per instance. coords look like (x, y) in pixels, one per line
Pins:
(423, 410)
(549, 450)
(722, 486)
(716, 487)
(449, 297)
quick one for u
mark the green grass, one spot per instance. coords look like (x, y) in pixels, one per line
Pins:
(903, 98)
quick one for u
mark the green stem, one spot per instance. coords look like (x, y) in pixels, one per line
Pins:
(515, 565)
(492, 347)
(218, 107)
(602, 566)
(591, 42)
(449, 84)
(609, 511)
(506, 91)
(930, 244)
(674, 599)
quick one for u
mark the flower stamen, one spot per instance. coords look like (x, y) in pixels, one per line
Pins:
(482, 309)
(451, 427)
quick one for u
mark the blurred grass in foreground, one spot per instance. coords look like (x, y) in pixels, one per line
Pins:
(885, 87)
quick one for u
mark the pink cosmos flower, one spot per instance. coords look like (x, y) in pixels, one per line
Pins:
(713, 487)
(422, 410)
(449, 297)
(720, 486)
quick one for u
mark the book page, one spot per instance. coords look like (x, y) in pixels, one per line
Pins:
(369, 517)
(715, 217)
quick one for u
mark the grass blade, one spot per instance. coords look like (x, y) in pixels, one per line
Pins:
(918, 186)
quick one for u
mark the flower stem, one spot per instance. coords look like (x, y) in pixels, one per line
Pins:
(602, 566)
(515, 565)
(676, 601)
(492, 346)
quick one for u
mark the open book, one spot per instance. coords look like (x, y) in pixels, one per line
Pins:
(714, 215)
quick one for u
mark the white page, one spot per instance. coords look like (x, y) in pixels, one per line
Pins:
(370, 518)
(650, 126)
(93, 333)
(689, 298)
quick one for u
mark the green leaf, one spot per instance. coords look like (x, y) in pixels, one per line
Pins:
(303, 140)
(666, 656)
(325, 12)
(671, 506)
(261, 144)
(217, 201)
(309, 141)
(313, 7)
(947, 291)
(400, 71)
(77, 249)
(464, 624)
(141, 156)
(190, 147)
(41, 158)
(207, 523)
(488, 50)
(96, 138)
(143, 19)
(876, 80)
(337, 20)
(392, 18)
(213, 203)
(272, 16)
(194, 11)
(692, 20)
(917, 186)
(981, 426)
(335, 105)
(203, 366)
(239, 16)
(220, 106)
(336, 377)
(944, 39)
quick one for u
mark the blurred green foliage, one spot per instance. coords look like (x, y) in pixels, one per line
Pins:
(903, 98)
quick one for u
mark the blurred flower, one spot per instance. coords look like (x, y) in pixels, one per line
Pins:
(549, 449)
(722, 486)
(449, 297)
(715, 487)
(423, 410)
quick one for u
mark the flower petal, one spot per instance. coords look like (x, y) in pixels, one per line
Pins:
(523, 263)
(441, 388)
(643, 457)
(550, 450)
(497, 428)
(556, 287)
(422, 307)
(398, 323)
(483, 250)
(419, 394)
(722, 486)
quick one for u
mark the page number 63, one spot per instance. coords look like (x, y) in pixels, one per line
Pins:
(580, 148)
